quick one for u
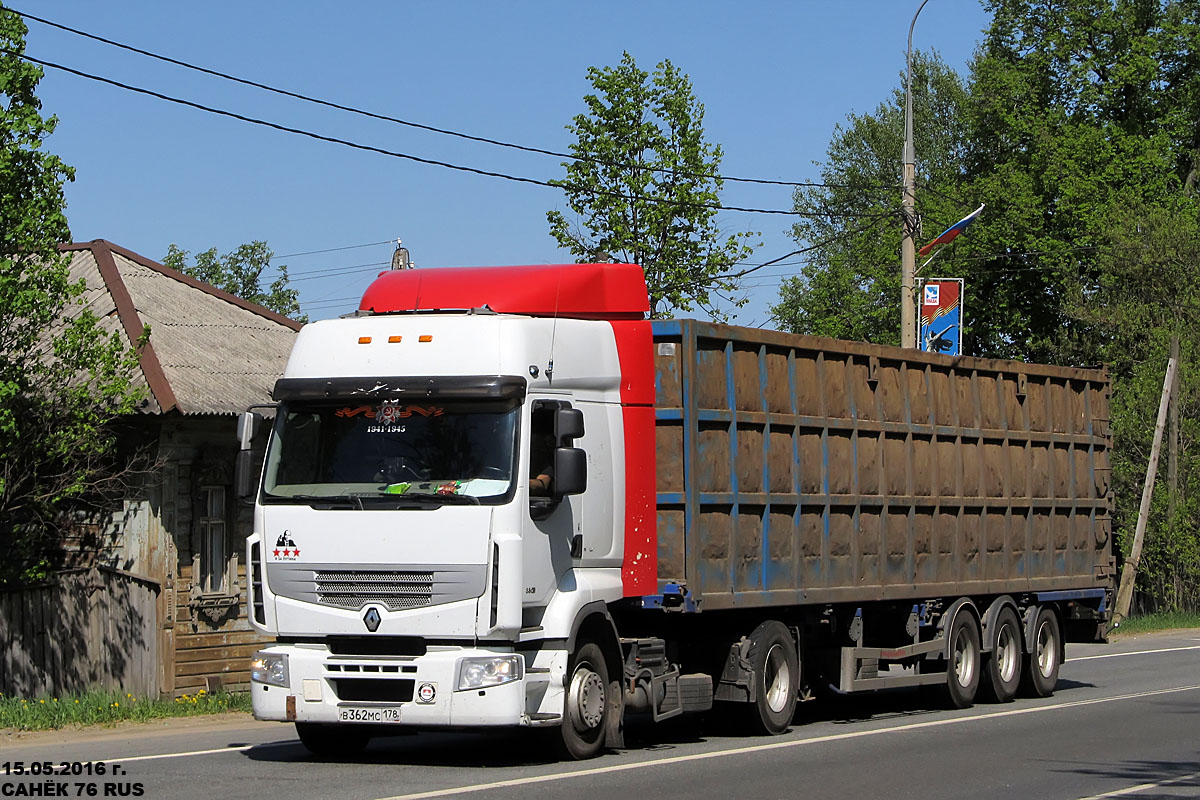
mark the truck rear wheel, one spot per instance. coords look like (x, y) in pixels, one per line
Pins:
(331, 741)
(775, 670)
(962, 668)
(588, 705)
(1003, 670)
(1043, 658)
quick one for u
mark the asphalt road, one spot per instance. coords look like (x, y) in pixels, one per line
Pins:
(1125, 722)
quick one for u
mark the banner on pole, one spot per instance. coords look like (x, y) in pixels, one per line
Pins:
(940, 325)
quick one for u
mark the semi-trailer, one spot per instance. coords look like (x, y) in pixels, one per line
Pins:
(503, 497)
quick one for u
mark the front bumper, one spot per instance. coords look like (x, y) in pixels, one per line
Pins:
(409, 691)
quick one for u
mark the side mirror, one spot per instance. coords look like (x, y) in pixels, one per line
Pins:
(570, 471)
(243, 474)
(247, 428)
(568, 424)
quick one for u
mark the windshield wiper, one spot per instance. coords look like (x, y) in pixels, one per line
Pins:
(348, 500)
(454, 499)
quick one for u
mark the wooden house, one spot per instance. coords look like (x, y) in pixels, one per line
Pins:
(210, 355)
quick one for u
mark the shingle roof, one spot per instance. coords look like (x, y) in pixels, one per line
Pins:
(209, 352)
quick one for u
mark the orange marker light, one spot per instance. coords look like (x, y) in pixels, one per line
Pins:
(425, 338)
(364, 340)
(393, 340)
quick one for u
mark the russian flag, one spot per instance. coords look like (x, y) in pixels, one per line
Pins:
(953, 231)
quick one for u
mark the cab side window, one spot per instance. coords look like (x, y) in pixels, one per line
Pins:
(541, 451)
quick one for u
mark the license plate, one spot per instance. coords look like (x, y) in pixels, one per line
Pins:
(376, 715)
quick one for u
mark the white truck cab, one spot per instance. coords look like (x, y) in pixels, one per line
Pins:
(441, 520)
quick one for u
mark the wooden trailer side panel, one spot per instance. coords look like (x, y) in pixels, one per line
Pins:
(796, 469)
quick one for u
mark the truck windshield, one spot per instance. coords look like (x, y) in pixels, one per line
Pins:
(462, 451)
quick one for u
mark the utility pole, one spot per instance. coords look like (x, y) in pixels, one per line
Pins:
(1173, 437)
(1129, 571)
(908, 248)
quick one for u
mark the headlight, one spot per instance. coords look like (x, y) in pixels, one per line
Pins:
(479, 673)
(270, 668)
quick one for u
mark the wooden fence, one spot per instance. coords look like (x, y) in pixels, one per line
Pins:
(83, 629)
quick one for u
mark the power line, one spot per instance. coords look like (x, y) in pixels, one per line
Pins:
(324, 272)
(330, 302)
(333, 249)
(408, 123)
(396, 154)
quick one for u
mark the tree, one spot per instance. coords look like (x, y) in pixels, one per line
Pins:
(644, 185)
(64, 378)
(1146, 292)
(1078, 108)
(849, 288)
(240, 273)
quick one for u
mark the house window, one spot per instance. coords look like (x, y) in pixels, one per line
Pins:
(214, 555)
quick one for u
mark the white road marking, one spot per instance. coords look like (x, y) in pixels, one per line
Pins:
(1142, 787)
(1133, 653)
(760, 748)
(240, 749)
(232, 749)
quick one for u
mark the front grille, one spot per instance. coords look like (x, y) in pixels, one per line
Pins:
(353, 589)
(369, 689)
(376, 645)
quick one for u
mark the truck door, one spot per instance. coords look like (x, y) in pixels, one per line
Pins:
(553, 524)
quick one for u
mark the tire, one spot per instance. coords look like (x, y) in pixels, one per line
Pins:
(588, 707)
(332, 741)
(963, 663)
(1002, 669)
(1044, 655)
(775, 672)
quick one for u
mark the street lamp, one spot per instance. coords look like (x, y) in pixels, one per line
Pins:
(908, 248)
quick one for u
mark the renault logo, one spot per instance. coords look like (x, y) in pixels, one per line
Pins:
(372, 619)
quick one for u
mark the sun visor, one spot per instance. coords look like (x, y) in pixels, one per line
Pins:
(578, 291)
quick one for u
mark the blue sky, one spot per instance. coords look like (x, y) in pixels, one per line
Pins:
(774, 77)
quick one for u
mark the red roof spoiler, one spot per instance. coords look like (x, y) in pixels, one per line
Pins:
(580, 291)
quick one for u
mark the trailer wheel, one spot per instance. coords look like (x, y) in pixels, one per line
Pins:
(962, 668)
(1003, 669)
(331, 741)
(775, 670)
(1043, 661)
(588, 705)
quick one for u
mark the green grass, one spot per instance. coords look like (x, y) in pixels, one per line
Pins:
(98, 708)
(1161, 621)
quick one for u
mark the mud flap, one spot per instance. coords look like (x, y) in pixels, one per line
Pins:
(614, 735)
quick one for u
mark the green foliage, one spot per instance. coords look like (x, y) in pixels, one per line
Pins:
(644, 187)
(1159, 621)
(99, 707)
(240, 273)
(850, 286)
(1148, 290)
(1077, 127)
(1075, 111)
(64, 374)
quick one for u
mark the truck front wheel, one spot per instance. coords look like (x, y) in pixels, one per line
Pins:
(331, 741)
(588, 704)
(775, 670)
